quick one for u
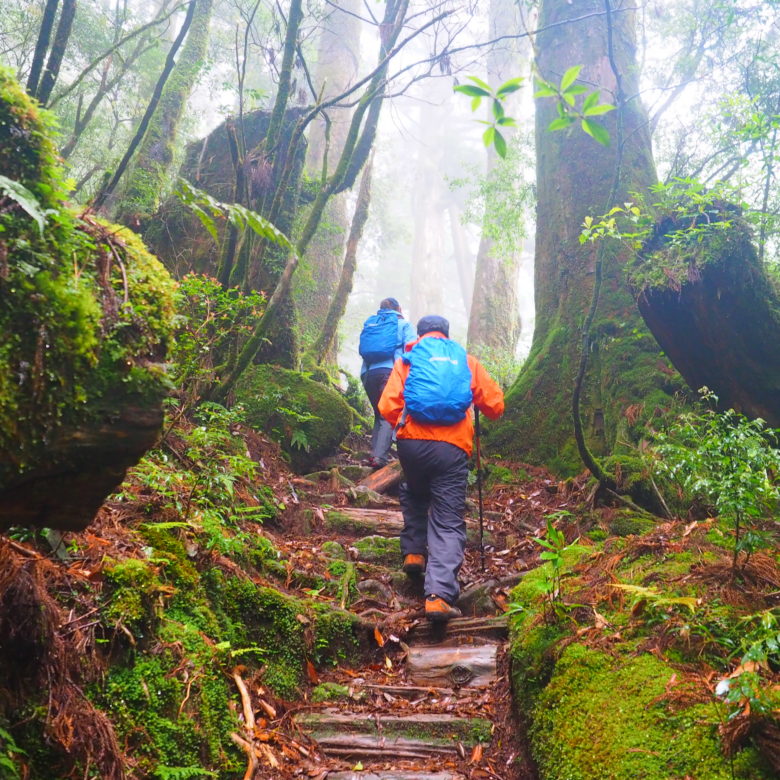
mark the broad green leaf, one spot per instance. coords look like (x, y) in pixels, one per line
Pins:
(510, 86)
(471, 90)
(560, 124)
(475, 103)
(576, 89)
(488, 135)
(498, 109)
(549, 555)
(602, 108)
(23, 198)
(570, 76)
(596, 131)
(500, 143)
(506, 121)
(544, 90)
(568, 98)
(205, 220)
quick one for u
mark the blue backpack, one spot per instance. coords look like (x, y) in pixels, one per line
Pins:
(438, 388)
(379, 337)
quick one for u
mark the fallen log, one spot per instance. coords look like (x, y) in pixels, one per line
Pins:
(383, 479)
(496, 627)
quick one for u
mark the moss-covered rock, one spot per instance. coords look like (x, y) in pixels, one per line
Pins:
(308, 419)
(382, 550)
(85, 313)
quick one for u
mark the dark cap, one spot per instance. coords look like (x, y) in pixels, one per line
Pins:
(390, 303)
(433, 322)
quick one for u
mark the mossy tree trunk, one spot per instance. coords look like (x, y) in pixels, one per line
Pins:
(150, 171)
(494, 320)
(337, 67)
(576, 178)
(715, 312)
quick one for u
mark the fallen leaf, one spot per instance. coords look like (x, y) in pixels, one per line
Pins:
(476, 754)
(311, 673)
(380, 640)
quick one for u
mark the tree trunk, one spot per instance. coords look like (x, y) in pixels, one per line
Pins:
(337, 68)
(150, 171)
(715, 314)
(49, 78)
(494, 320)
(576, 178)
(41, 46)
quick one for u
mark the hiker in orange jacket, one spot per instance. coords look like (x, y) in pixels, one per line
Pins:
(434, 458)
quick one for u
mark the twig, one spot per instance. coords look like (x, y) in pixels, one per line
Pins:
(250, 754)
(246, 702)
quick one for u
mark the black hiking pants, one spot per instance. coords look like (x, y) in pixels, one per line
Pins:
(374, 381)
(433, 500)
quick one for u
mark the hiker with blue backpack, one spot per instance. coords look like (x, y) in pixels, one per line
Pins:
(428, 400)
(382, 340)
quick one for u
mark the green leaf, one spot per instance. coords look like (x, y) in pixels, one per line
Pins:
(590, 101)
(543, 90)
(488, 135)
(500, 143)
(508, 87)
(570, 76)
(498, 109)
(549, 555)
(576, 89)
(506, 121)
(476, 103)
(560, 124)
(23, 198)
(471, 90)
(602, 108)
(481, 83)
(205, 220)
(596, 131)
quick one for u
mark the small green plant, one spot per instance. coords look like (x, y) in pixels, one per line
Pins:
(554, 544)
(182, 772)
(731, 464)
(8, 750)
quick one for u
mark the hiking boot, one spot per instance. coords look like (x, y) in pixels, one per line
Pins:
(375, 463)
(437, 610)
(414, 565)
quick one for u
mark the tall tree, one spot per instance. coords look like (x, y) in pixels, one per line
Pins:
(577, 177)
(150, 171)
(494, 320)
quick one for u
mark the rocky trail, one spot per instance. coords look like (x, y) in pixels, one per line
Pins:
(431, 702)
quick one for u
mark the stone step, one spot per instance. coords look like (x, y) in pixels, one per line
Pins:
(381, 775)
(465, 629)
(374, 736)
(446, 665)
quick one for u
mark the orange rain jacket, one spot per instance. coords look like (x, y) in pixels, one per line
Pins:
(488, 398)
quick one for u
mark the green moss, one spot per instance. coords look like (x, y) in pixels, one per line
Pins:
(501, 475)
(336, 636)
(382, 550)
(628, 523)
(329, 691)
(334, 550)
(308, 419)
(602, 718)
(130, 587)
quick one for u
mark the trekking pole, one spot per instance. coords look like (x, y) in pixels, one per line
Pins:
(479, 490)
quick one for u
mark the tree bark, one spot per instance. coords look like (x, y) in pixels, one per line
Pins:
(149, 174)
(576, 177)
(494, 320)
(49, 78)
(716, 314)
(41, 46)
(107, 190)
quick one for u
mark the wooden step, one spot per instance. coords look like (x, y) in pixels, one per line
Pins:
(466, 629)
(384, 522)
(460, 665)
(373, 736)
(386, 775)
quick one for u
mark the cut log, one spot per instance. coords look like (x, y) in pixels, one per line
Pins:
(383, 479)
(375, 736)
(411, 691)
(394, 776)
(462, 665)
(460, 628)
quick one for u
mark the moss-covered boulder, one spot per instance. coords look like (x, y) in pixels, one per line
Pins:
(85, 316)
(308, 419)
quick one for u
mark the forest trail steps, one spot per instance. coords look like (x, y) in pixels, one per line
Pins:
(427, 712)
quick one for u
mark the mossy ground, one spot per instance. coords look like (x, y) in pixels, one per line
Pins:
(606, 674)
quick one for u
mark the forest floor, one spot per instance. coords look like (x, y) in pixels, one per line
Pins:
(414, 703)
